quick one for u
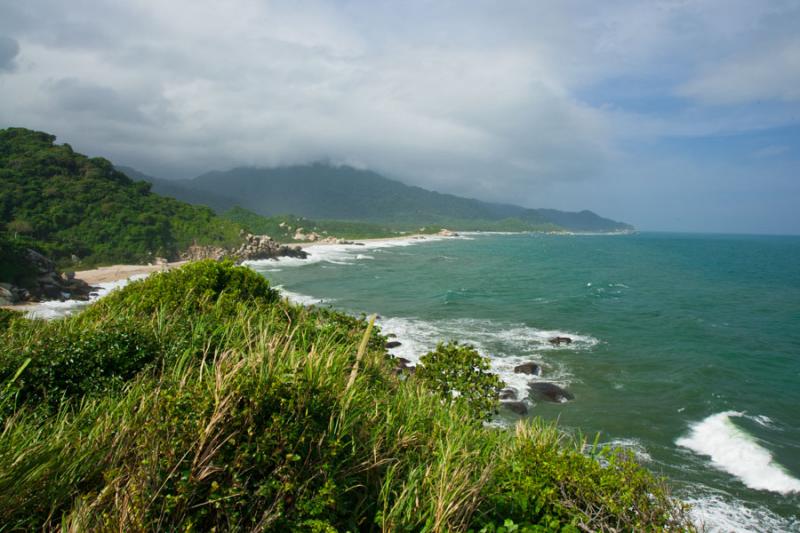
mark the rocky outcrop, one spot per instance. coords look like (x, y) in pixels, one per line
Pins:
(507, 394)
(253, 248)
(447, 233)
(549, 392)
(516, 407)
(556, 341)
(45, 283)
(528, 368)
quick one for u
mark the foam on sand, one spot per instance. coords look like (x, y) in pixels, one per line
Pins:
(736, 452)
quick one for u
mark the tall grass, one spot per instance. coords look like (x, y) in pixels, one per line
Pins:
(253, 414)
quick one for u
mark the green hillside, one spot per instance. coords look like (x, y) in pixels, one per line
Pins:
(284, 227)
(65, 203)
(322, 191)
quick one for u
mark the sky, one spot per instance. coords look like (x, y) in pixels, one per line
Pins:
(673, 115)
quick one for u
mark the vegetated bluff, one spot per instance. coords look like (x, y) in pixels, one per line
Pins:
(67, 204)
(344, 193)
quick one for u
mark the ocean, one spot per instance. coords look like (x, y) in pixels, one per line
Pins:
(686, 348)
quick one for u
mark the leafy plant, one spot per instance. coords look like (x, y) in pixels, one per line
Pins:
(459, 373)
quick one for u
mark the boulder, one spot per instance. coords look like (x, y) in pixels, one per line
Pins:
(516, 407)
(7, 296)
(507, 394)
(558, 340)
(393, 344)
(549, 392)
(528, 368)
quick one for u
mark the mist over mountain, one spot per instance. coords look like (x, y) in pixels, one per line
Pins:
(326, 191)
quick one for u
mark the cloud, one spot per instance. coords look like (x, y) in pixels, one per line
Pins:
(516, 101)
(767, 74)
(9, 49)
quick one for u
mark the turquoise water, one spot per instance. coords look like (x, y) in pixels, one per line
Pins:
(686, 347)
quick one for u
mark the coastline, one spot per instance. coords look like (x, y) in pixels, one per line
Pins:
(113, 273)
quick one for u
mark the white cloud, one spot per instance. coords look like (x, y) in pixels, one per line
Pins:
(757, 75)
(511, 101)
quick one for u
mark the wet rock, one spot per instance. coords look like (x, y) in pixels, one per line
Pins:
(516, 407)
(549, 392)
(528, 368)
(508, 394)
(557, 341)
(393, 344)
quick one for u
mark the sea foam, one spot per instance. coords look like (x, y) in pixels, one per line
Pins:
(506, 345)
(736, 452)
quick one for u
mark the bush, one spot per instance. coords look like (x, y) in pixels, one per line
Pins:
(7, 317)
(68, 361)
(194, 288)
(460, 374)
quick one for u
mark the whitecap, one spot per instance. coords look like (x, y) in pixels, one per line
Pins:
(506, 346)
(301, 299)
(715, 513)
(736, 452)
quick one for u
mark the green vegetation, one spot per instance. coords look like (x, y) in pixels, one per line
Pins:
(282, 228)
(65, 204)
(198, 399)
(458, 373)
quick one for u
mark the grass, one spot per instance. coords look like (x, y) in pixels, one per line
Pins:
(250, 413)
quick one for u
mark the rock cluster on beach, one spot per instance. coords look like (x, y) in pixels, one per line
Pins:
(46, 283)
(253, 248)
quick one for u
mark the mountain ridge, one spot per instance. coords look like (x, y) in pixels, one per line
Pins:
(324, 191)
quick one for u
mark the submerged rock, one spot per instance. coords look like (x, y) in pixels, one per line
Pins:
(528, 368)
(507, 394)
(558, 340)
(516, 407)
(549, 392)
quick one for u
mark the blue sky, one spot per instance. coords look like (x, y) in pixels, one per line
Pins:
(668, 114)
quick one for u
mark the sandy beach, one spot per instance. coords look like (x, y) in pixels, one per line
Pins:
(119, 272)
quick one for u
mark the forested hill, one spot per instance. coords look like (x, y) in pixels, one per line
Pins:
(345, 193)
(65, 203)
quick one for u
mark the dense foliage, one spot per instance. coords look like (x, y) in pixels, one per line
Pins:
(15, 267)
(459, 374)
(69, 204)
(197, 399)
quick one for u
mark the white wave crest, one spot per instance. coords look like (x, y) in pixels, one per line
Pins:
(341, 254)
(714, 513)
(506, 345)
(736, 452)
(302, 299)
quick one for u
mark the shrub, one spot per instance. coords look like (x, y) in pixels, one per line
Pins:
(193, 288)
(69, 361)
(459, 373)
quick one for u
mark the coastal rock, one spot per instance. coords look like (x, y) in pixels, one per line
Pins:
(254, 247)
(44, 283)
(507, 394)
(403, 365)
(7, 295)
(557, 341)
(516, 407)
(528, 368)
(549, 392)
(393, 344)
(447, 233)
